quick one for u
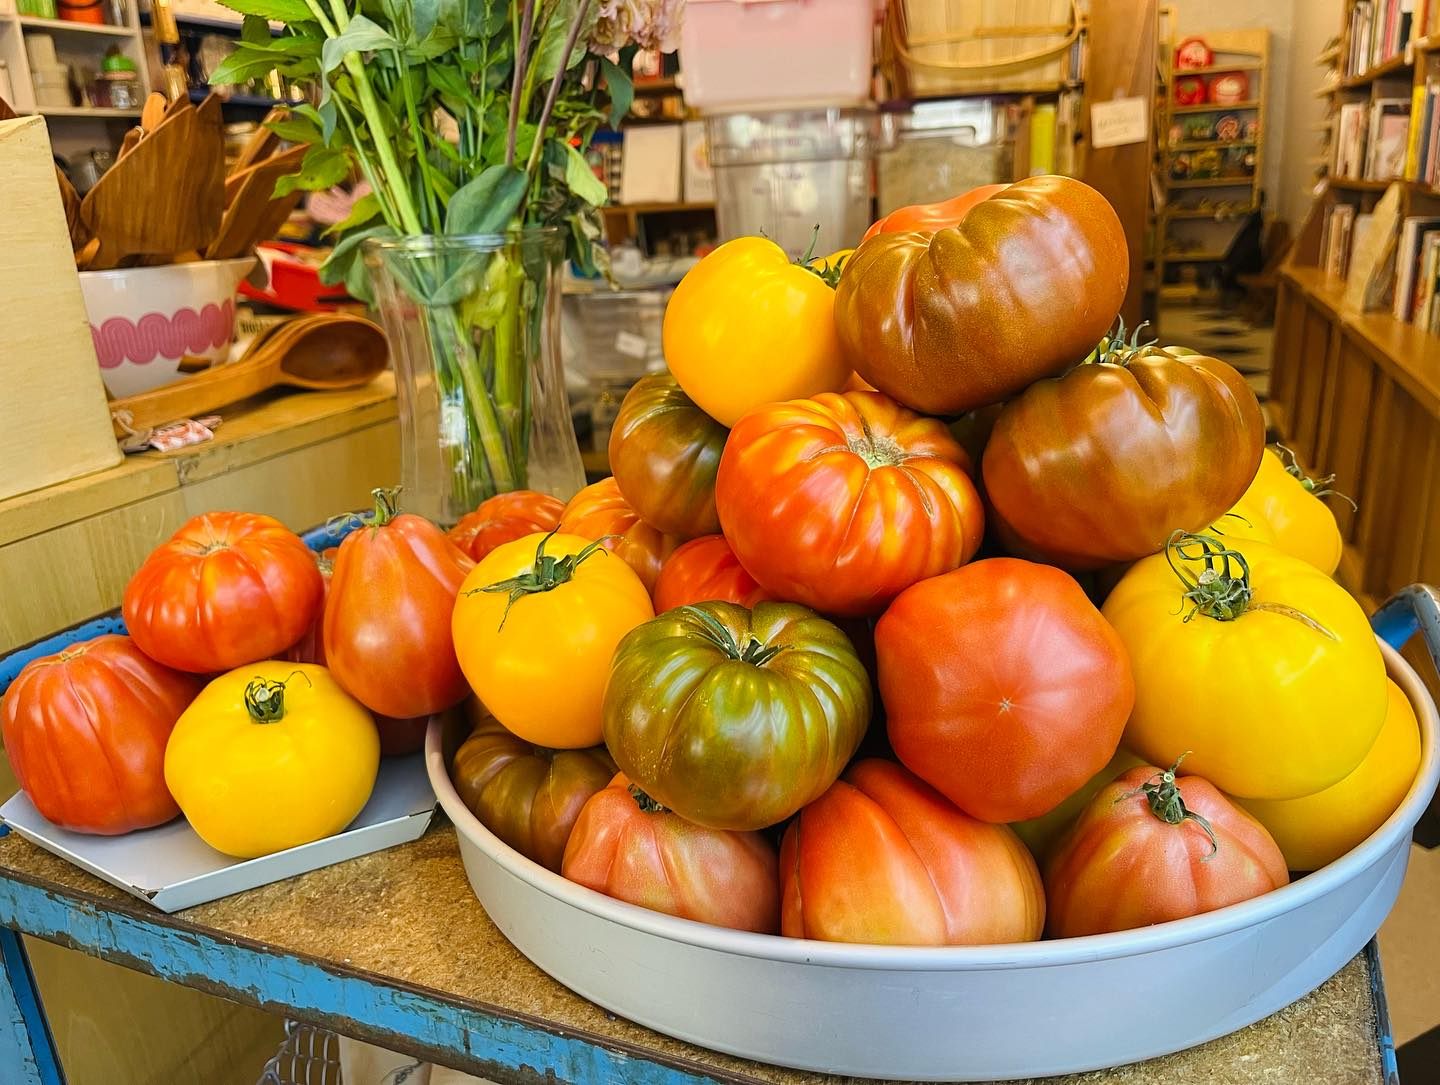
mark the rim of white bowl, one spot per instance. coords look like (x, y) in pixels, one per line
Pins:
(134, 272)
(1041, 954)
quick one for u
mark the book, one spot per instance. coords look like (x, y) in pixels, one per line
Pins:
(1413, 231)
(1389, 131)
(1425, 289)
(1350, 140)
(1412, 138)
(1342, 217)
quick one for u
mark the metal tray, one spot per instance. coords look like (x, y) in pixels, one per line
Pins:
(951, 1014)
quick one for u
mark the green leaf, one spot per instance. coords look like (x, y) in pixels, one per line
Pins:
(296, 129)
(621, 88)
(581, 179)
(322, 168)
(346, 253)
(284, 11)
(440, 42)
(255, 31)
(241, 66)
(363, 35)
(363, 210)
(486, 204)
(547, 55)
(424, 14)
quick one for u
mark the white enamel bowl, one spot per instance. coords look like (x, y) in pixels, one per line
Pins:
(955, 1014)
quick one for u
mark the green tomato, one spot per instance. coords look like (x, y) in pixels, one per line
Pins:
(735, 719)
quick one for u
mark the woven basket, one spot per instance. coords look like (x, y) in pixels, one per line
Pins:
(939, 47)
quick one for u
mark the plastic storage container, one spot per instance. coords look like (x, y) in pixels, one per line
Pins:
(742, 53)
(611, 340)
(932, 150)
(782, 173)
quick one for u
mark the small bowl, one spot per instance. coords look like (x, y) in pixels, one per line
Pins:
(145, 319)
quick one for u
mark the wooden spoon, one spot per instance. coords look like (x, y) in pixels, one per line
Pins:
(156, 106)
(325, 352)
(260, 145)
(252, 214)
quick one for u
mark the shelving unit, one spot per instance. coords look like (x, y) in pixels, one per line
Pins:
(1356, 392)
(1192, 235)
(79, 46)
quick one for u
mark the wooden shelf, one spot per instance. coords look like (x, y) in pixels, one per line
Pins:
(1194, 257)
(1215, 107)
(1363, 184)
(84, 111)
(647, 88)
(1207, 144)
(1396, 64)
(65, 26)
(653, 208)
(1220, 213)
(1218, 69)
(1211, 182)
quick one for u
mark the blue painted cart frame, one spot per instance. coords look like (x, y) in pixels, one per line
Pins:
(510, 1048)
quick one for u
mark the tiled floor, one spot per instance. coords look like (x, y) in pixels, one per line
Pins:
(1410, 939)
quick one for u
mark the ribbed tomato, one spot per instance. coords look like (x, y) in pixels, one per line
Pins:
(628, 846)
(387, 617)
(85, 731)
(505, 518)
(1152, 847)
(228, 588)
(600, 510)
(841, 502)
(883, 857)
(929, 217)
(1004, 688)
(664, 451)
(705, 569)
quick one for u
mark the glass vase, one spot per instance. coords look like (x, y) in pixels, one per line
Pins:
(474, 329)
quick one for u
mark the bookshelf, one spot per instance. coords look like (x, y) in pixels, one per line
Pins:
(1355, 383)
(1211, 159)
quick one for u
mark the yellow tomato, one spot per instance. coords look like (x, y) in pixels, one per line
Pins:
(1040, 834)
(271, 756)
(1319, 828)
(1303, 525)
(746, 327)
(1256, 664)
(1244, 523)
(536, 624)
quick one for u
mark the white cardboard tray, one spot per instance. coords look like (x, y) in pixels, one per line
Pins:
(172, 868)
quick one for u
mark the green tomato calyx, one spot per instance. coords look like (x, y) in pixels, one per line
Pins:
(265, 697)
(1116, 349)
(645, 802)
(1222, 590)
(1315, 487)
(547, 574)
(828, 273)
(1163, 794)
(714, 631)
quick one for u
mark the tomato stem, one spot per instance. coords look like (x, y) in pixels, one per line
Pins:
(1166, 803)
(1115, 349)
(645, 802)
(1222, 590)
(754, 652)
(1317, 487)
(387, 506)
(265, 697)
(547, 574)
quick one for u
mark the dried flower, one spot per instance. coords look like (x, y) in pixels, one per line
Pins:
(650, 24)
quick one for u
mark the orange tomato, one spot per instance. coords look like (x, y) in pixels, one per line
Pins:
(600, 510)
(929, 217)
(504, 518)
(702, 570)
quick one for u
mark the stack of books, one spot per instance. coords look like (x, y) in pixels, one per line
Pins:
(1417, 268)
(1372, 139)
(1335, 240)
(1380, 29)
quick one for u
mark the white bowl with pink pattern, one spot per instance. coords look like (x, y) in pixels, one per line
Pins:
(145, 319)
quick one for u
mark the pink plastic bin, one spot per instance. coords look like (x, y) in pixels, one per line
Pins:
(774, 53)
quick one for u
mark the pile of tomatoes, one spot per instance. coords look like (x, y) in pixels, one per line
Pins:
(942, 615)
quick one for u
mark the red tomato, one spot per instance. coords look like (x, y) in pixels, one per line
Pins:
(228, 588)
(599, 510)
(504, 518)
(843, 501)
(1003, 686)
(387, 618)
(86, 730)
(1152, 847)
(627, 846)
(702, 570)
(929, 217)
(311, 647)
(399, 737)
(882, 857)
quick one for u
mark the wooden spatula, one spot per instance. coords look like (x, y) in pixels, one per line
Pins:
(260, 145)
(251, 215)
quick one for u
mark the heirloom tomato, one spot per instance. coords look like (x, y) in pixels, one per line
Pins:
(85, 731)
(664, 452)
(929, 217)
(1101, 465)
(600, 512)
(387, 616)
(311, 647)
(227, 588)
(841, 502)
(1258, 665)
(1152, 847)
(529, 796)
(536, 625)
(1290, 502)
(272, 756)
(882, 857)
(732, 718)
(505, 518)
(746, 327)
(970, 315)
(1242, 524)
(1003, 686)
(705, 569)
(627, 846)
(1040, 834)
(1317, 829)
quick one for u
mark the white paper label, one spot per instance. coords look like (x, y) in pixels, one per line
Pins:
(1122, 121)
(631, 345)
